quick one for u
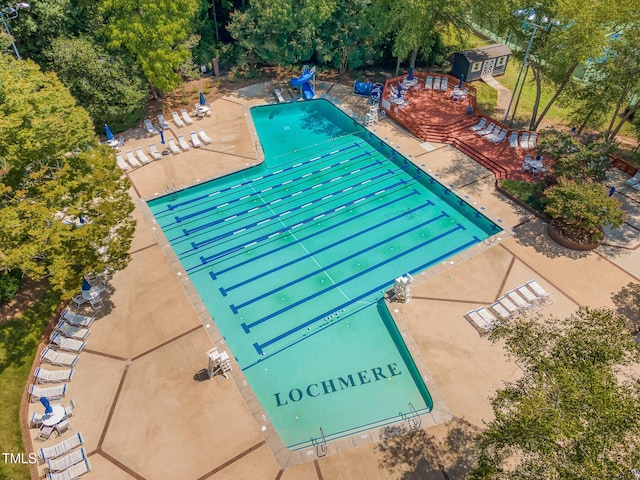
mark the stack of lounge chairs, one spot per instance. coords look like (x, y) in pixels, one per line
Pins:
(66, 459)
(522, 301)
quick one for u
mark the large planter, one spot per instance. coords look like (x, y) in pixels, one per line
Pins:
(565, 242)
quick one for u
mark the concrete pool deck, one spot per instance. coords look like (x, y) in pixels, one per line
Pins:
(143, 416)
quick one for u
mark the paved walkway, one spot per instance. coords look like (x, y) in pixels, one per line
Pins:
(504, 96)
(142, 414)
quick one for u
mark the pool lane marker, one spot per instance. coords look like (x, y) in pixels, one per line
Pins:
(260, 346)
(327, 247)
(324, 268)
(247, 327)
(268, 175)
(302, 239)
(196, 245)
(204, 260)
(186, 231)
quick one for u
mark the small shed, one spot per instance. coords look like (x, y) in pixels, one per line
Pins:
(480, 62)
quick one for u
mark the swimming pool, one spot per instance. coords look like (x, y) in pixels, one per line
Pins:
(292, 258)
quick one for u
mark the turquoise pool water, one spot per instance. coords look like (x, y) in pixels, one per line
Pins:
(292, 258)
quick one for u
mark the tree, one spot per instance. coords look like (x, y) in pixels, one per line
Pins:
(154, 33)
(575, 32)
(574, 413)
(101, 83)
(581, 209)
(416, 25)
(578, 158)
(64, 207)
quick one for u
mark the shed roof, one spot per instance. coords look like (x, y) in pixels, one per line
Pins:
(485, 53)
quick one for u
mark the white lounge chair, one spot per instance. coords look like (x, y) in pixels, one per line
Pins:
(488, 129)
(525, 307)
(524, 140)
(480, 125)
(204, 137)
(60, 342)
(53, 376)
(173, 147)
(153, 151)
(540, 292)
(533, 140)
(142, 156)
(133, 161)
(428, 83)
(77, 319)
(183, 143)
(148, 126)
(500, 137)
(494, 133)
(276, 92)
(511, 307)
(72, 472)
(195, 140)
(177, 120)
(163, 122)
(513, 139)
(185, 116)
(61, 448)
(529, 296)
(52, 393)
(436, 83)
(121, 163)
(633, 180)
(58, 358)
(444, 84)
(482, 322)
(499, 310)
(62, 463)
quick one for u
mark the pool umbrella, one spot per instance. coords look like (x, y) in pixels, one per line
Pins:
(203, 102)
(399, 90)
(461, 80)
(47, 405)
(161, 137)
(410, 76)
(108, 130)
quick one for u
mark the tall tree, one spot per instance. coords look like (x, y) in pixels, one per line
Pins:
(574, 414)
(416, 25)
(64, 207)
(101, 83)
(155, 33)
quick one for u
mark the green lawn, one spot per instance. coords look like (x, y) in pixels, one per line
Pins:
(530, 193)
(19, 341)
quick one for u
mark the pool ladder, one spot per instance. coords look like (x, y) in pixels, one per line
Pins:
(412, 418)
(320, 444)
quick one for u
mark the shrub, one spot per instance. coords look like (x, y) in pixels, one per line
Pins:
(9, 285)
(581, 209)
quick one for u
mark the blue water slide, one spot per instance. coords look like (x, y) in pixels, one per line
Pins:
(304, 81)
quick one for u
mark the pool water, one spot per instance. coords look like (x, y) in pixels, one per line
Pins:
(292, 258)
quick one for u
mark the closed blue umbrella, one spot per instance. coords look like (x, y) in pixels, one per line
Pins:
(202, 100)
(86, 286)
(410, 76)
(47, 406)
(461, 80)
(161, 137)
(108, 130)
(399, 91)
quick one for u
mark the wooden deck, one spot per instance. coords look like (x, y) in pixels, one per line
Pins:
(434, 116)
